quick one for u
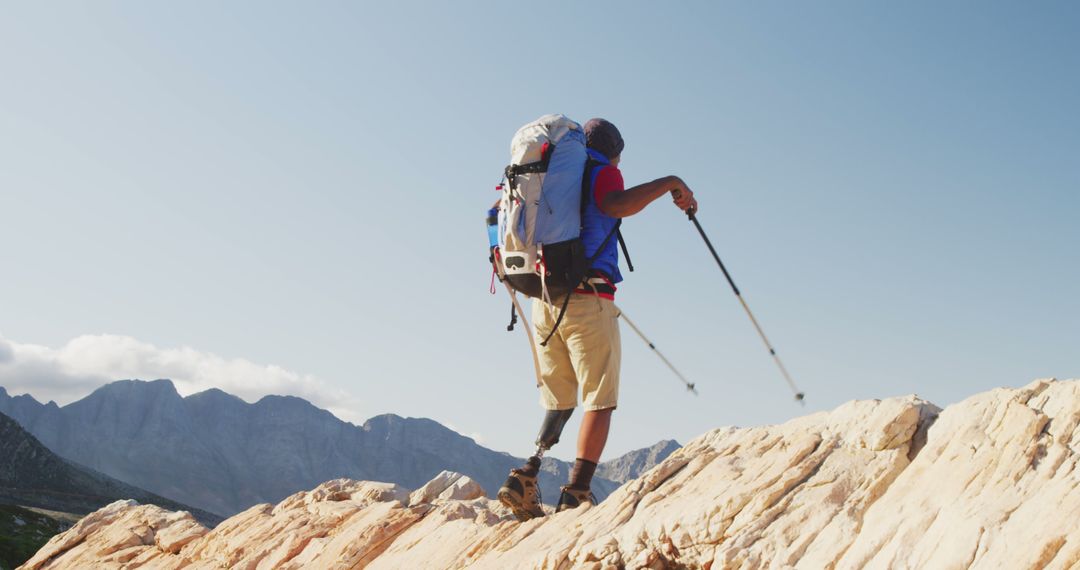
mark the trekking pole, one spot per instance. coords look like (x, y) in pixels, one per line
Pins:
(798, 395)
(689, 385)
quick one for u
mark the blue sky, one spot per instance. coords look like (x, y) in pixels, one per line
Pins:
(894, 187)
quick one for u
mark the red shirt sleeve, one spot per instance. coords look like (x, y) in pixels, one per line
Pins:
(608, 180)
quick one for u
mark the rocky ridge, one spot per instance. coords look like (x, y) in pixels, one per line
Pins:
(990, 482)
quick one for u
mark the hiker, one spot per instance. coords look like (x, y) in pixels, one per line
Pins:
(583, 354)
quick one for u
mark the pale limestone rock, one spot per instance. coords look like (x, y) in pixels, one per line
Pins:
(757, 497)
(265, 537)
(992, 483)
(117, 534)
(995, 487)
(447, 486)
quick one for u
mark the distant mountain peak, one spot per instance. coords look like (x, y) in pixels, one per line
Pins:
(25, 399)
(215, 394)
(29, 398)
(396, 422)
(630, 465)
(291, 403)
(160, 384)
(284, 398)
(381, 421)
(157, 383)
(385, 418)
(669, 444)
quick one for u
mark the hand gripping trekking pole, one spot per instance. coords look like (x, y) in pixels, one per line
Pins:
(798, 395)
(689, 384)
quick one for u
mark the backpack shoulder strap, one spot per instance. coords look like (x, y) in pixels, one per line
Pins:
(592, 169)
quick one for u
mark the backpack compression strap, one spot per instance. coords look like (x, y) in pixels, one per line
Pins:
(512, 171)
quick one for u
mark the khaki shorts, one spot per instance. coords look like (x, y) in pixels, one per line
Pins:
(583, 354)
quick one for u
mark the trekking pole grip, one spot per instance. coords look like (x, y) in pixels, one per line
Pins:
(689, 211)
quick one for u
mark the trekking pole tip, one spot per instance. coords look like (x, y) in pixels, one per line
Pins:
(800, 398)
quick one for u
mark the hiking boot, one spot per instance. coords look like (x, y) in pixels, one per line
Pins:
(572, 498)
(521, 495)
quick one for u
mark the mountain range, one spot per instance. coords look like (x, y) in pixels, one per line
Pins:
(33, 476)
(218, 453)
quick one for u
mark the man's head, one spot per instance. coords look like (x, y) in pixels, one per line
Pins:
(603, 137)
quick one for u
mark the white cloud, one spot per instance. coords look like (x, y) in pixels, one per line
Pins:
(87, 362)
(6, 351)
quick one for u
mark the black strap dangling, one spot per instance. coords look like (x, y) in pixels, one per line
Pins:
(622, 244)
(558, 321)
(513, 318)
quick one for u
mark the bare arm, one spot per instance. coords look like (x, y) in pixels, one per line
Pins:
(633, 200)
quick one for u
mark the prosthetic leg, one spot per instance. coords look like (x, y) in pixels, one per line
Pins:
(554, 422)
(520, 491)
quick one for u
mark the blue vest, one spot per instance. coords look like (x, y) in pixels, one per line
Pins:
(596, 225)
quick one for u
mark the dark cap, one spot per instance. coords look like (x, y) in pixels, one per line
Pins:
(603, 137)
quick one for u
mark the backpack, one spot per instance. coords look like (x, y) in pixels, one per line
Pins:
(539, 251)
